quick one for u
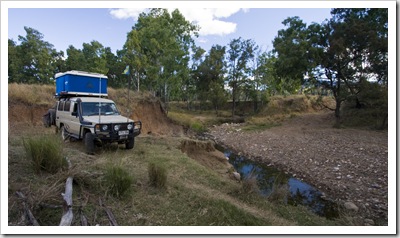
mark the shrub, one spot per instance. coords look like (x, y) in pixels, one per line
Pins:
(197, 127)
(279, 193)
(157, 175)
(249, 184)
(118, 180)
(46, 153)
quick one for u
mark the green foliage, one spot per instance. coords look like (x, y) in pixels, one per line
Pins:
(369, 108)
(93, 57)
(118, 180)
(197, 127)
(260, 126)
(217, 95)
(33, 60)
(240, 53)
(157, 175)
(46, 153)
(346, 50)
(158, 49)
(293, 50)
(349, 45)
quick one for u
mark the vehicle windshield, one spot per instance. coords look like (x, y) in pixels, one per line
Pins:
(94, 108)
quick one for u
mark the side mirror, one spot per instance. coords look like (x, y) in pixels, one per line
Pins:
(74, 114)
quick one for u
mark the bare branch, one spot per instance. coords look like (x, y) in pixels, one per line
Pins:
(28, 212)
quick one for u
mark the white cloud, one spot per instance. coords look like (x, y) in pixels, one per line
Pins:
(209, 19)
(125, 13)
(202, 40)
(216, 27)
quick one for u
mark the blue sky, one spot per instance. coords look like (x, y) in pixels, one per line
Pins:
(74, 26)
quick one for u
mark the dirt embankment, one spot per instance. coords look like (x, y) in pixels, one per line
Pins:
(349, 165)
(205, 153)
(23, 108)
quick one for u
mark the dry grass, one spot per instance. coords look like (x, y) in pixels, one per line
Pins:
(39, 95)
(195, 195)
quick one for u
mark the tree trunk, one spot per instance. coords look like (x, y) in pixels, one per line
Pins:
(233, 99)
(337, 108)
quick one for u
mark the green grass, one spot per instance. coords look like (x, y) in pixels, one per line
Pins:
(195, 195)
(118, 180)
(45, 152)
(260, 127)
(157, 175)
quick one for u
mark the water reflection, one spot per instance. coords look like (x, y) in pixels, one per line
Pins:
(269, 178)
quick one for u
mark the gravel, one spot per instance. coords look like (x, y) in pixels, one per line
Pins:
(348, 165)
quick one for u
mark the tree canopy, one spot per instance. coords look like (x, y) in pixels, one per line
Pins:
(344, 54)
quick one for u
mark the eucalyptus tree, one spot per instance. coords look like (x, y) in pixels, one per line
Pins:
(240, 53)
(75, 59)
(352, 49)
(14, 62)
(95, 57)
(92, 58)
(294, 61)
(189, 86)
(158, 47)
(210, 77)
(33, 60)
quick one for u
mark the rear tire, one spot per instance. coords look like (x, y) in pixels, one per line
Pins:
(89, 143)
(130, 144)
(64, 135)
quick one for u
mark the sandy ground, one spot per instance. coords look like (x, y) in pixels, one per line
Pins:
(348, 165)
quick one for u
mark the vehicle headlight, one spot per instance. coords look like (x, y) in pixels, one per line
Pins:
(116, 127)
(104, 127)
(130, 127)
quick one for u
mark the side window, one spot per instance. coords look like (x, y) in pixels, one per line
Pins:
(75, 107)
(67, 106)
(60, 106)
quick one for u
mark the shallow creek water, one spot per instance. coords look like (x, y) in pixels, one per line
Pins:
(268, 179)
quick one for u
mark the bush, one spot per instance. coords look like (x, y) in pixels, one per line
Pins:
(118, 180)
(197, 127)
(279, 193)
(157, 175)
(46, 153)
(249, 184)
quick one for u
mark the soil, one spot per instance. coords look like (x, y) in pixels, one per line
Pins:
(348, 165)
(206, 154)
(150, 112)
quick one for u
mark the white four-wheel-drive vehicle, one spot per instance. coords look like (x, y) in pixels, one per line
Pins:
(82, 112)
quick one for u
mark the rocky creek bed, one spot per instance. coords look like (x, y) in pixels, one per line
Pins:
(349, 165)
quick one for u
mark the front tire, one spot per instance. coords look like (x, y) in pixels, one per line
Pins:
(89, 143)
(130, 144)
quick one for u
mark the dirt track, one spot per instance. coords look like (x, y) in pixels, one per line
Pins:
(348, 165)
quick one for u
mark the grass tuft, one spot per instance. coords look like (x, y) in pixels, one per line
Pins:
(157, 175)
(279, 194)
(46, 153)
(118, 180)
(249, 184)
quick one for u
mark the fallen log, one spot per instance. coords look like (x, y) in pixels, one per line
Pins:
(67, 217)
(109, 214)
(28, 212)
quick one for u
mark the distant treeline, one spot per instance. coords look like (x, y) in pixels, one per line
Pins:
(343, 55)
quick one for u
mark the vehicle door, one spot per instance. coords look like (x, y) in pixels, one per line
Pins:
(75, 124)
